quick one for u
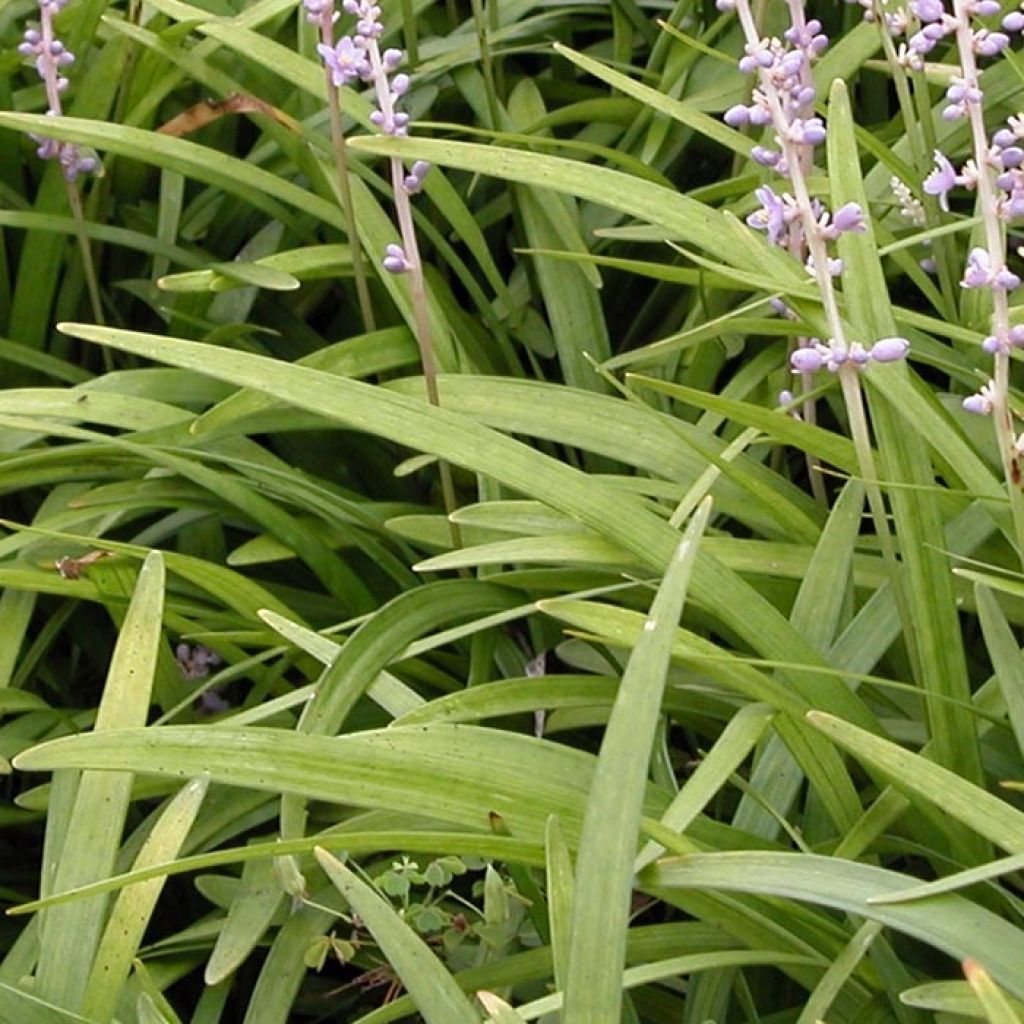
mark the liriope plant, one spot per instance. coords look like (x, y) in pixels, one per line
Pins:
(675, 746)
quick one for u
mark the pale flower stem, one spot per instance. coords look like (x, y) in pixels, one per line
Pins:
(809, 412)
(421, 317)
(826, 288)
(1002, 418)
(74, 199)
(88, 265)
(853, 398)
(344, 187)
(792, 156)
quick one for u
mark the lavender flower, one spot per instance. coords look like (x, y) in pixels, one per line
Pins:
(942, 180)
(195, 662)
(346, 62)
(51, 59)
(980, 273)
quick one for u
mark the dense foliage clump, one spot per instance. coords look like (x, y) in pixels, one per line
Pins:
(511, 511)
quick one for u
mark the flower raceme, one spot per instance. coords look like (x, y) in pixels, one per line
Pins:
(52, 59)
(359, 58)
(782, 102)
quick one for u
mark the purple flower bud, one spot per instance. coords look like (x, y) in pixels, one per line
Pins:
(1012, 156)
(737, 116)
(1003, 138)
(806, 360)
(977, 404)
(1006, 279)
(928, 10)
(395, 260)
(765, 157)
(889, 350)
(792, 63)
(991, 345)
(859, 355)
(413, 181)
(990, 44)
(985, 8)
(1017, 336)
(920, 44)
(1014, 21)
(814, 132)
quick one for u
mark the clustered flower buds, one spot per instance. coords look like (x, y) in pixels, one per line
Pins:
(995, 171)
(785, 96)
(832, 356)
(358, 58)
(1004, 157)
(51, 60)
(926, 23)
(783, 100)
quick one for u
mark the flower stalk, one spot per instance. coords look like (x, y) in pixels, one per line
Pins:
(358, 57)
(995, 172)
(784, 102)
(52, 59)
(322, 14)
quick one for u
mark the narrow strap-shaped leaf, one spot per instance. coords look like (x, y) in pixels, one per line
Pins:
(1006, 657)
(561, 884)
(950, 794)
(838, 973)
(733, 745)
(604, 863)
(949, 923)
(933, 631)
(135, 904)
(70, 934)
(686, 218)
(248, 918)
(610, 512)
